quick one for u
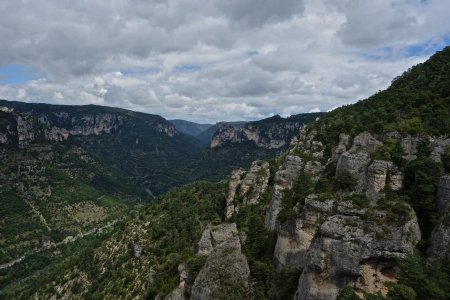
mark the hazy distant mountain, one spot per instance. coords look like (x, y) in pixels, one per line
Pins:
(190, 128)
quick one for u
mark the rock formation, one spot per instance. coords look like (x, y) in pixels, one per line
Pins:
(60, 125)
(284, 179)
(226, 271)
(335, 241)
(440, 237)
(270, 133)
(246, 186)
(182, 291)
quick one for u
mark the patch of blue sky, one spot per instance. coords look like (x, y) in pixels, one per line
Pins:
(140, 71)
(428, 47)
(16, 74)
(188, 68)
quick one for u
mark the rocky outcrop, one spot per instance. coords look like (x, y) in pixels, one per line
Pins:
(255, 182)
(83, 125)
(294, 237)
(357, 158)
(371, 176)
(271, 133)
(440, 240)
(225, 134)
(137, 250)
(3, 138)
(233, 185)
(438, 146)
(335, 241)
(226, 272)
(443, 194)
(347, 249)
(25, 129)
(183, 289)
(284, 179)
(440, 237)
(47, 123)
(225, 234)
(344, 142)
(380, 174)
(409, 144)
(246, 186)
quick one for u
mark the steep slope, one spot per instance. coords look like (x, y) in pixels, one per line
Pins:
(141, 257)
(145, 147)
(237, 144)
(68, 172)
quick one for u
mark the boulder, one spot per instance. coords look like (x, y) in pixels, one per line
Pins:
(219, 235)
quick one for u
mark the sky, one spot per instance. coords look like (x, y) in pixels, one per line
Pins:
(216, 60)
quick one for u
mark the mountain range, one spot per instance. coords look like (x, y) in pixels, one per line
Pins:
(102, 202)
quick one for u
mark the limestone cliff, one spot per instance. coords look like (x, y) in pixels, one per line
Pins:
(336, 240)
(58, 124)
(440, 237)
(270, 133)
(247, 186)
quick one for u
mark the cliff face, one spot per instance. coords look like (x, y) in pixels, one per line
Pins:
(440, 237)
(144, 147)
(271, 133)
(334, 238)
(28, 126)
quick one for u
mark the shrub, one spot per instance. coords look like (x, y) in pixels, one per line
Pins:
(347, 293)
(345, 181)
(401, 292)
(359, 200)
(285, 284)
(446, 159)
(428, 279)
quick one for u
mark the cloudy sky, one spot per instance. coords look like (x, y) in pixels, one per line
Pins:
(213, 60)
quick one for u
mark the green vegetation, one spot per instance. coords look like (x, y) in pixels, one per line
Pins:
(284, 284)
(392, 150)
(446, 159)
(396, 205)
(168, 232)
(360, 200)
(420, 185)
(345, 181)
(52, 198)
(302, 187)
(417, 102)
(427, 279)
(347, 293)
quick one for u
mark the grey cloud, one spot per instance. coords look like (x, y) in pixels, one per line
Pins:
(256, 58)
(259, 12)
